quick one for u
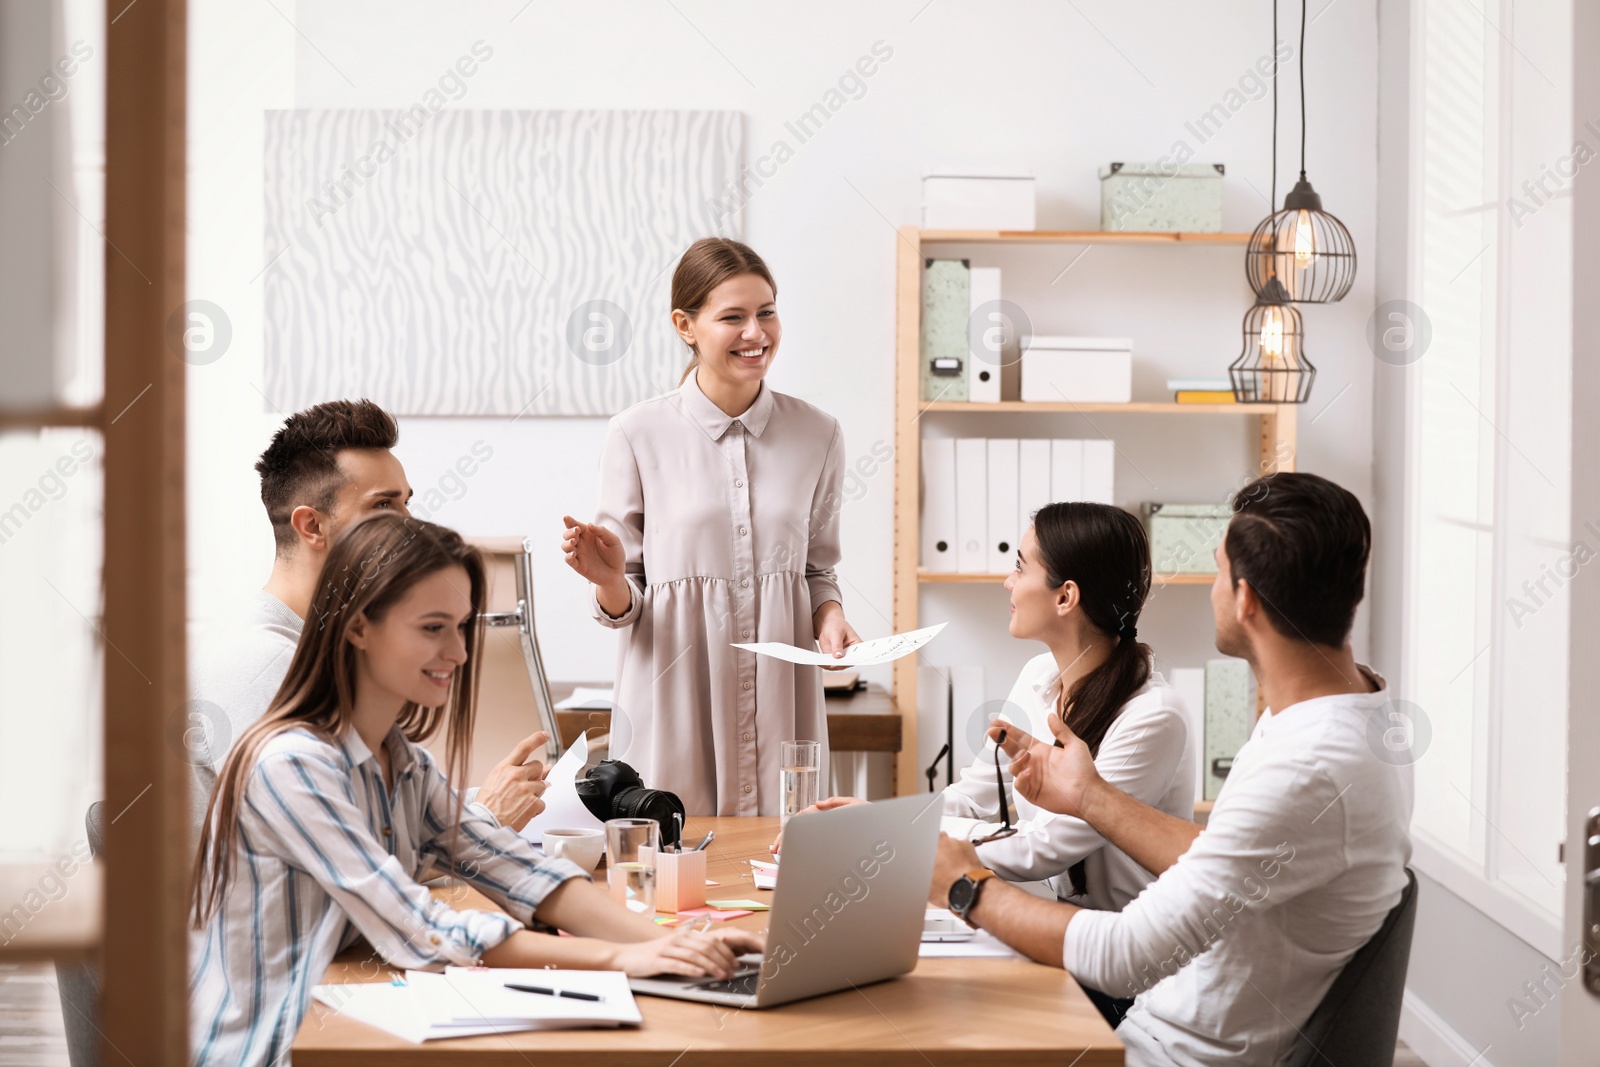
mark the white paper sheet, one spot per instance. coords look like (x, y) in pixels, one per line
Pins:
(982, 944)
(864, 654)
(397, 1010)
(480, 995)
(563, 808)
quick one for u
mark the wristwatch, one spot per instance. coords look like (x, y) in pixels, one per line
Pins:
(964, 893)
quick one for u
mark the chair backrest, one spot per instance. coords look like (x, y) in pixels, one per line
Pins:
(94, 826)
(1358, 1021)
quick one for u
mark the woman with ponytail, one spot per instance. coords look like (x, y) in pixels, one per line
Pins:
(327, 810)
(1081, 580)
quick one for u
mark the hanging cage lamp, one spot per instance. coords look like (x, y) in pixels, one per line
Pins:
(1304, 249)
(1272, 368)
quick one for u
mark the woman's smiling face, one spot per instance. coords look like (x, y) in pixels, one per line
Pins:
(1033, 598)
(736, 330)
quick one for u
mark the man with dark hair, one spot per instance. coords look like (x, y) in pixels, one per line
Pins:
(1251, 918)
(326, 469)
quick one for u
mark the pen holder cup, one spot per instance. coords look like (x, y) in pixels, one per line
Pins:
(680, 881)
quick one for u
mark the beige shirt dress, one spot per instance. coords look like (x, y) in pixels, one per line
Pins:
(731, 528)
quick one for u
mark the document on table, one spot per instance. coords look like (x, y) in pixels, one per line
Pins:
(862, 654)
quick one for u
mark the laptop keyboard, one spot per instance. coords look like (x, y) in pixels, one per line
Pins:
(743, 984)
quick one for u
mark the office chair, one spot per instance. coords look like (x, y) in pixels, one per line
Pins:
(1358, 1021)
(522, 618)
(78, 984)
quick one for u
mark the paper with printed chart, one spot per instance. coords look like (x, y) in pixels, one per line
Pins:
(862, 654)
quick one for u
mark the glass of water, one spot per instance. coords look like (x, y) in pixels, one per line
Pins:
(802, 771)
(631, 847)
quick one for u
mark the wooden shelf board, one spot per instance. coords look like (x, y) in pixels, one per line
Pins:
(1147, 407)
(934, 578)
(1086, 237)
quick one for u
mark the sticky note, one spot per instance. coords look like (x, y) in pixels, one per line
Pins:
(734, 905)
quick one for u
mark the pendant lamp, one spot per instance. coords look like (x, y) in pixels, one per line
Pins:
(1272, 368)
(1306, 250)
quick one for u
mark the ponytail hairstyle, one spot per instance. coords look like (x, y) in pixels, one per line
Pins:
(1105, 551)
(708, 263)
(369, 568)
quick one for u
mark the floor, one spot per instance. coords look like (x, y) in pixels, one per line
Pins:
(30, 1020)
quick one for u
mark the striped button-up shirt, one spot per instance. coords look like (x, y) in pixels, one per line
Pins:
(326, 851)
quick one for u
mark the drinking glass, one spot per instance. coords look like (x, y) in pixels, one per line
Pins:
(802, 769)
(631, 847)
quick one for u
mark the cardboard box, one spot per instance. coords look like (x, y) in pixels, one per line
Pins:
(1090, 370)
(977, 202)
(1161, 198)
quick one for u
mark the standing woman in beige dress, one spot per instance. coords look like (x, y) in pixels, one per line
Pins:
(718, 523)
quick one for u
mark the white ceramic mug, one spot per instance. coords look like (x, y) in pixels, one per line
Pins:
(583, 847)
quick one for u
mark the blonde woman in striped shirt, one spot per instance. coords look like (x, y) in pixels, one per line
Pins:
(328, 809)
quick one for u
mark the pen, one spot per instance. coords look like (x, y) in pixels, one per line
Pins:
(704, 841)
(569, 994)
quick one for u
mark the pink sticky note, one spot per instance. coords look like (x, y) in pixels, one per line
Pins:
(713, 914)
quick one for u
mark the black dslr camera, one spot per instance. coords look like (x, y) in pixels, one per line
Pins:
(614, 790)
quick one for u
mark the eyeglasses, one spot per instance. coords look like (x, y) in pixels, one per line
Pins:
(1006, 829)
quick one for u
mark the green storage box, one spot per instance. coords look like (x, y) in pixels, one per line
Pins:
(1184, 537)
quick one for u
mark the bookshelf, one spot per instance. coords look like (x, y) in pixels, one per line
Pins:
(1276, 436)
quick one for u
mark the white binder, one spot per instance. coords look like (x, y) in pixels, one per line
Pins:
(985, 337)
(933, 720)
(1190, 682)
(1099, 465)
(972, 505)
(1004, 535)
(970, 714)
(939, 504)
(1066, 471)
(1033, 481)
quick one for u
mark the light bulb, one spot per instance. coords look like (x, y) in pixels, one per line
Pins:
(1271, 341)
(1305, 245)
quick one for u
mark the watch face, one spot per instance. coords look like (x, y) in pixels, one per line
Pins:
(961, 894)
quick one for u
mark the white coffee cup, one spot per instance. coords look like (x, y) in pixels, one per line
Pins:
(581, 846)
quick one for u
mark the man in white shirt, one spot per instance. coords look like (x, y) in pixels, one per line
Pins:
(1251, 918)
(326, 469)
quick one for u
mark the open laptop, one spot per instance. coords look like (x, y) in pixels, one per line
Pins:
(848, 909)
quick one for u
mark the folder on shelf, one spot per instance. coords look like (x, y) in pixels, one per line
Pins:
(1033, 481)
(972, 505)
(1004, 536)
(985, 336)
(933, 720)
(939, 504)
(1190, 682)
(1099, 467)
(970, 722)
(1230, 717)
(946, 307)
(1066, 471)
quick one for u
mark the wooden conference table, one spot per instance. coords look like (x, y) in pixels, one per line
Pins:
(947, 1011)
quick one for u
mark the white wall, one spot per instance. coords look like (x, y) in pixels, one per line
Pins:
(1033, 86)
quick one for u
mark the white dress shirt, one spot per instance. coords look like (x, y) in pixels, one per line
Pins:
(1148, 753)
(326, 850)
(1304, 855)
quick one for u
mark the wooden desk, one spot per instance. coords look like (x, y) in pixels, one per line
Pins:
(947, 1011)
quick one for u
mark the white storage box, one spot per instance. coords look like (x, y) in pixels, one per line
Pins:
(1088, 370)
(977, 202)
(1161, 198)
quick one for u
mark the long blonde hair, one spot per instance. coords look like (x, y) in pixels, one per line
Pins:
(369, 568)
(708, 263)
